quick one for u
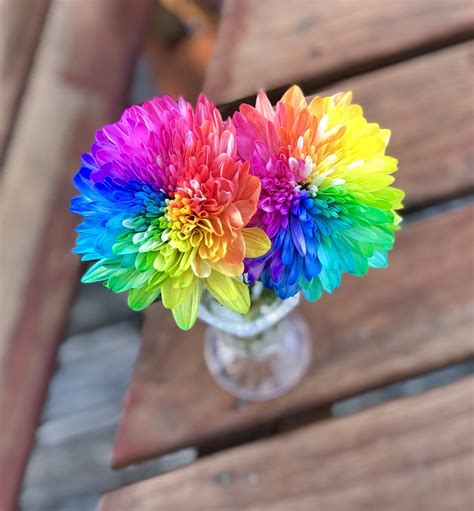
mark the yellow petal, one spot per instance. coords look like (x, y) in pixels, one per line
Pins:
(186, 312)
(316, 107)
(201, 267)
(230, 292)
(257, 243)
(342, 98)
(171, 296)
(185, 279)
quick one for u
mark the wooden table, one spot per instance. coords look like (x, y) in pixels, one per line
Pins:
(410, 63)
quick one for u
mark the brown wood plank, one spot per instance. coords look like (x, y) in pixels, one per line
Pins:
(78, 83)
(428, 104)
(411, 454)
(180, 45)
(21, 22)
(272, 43)
(410, 318)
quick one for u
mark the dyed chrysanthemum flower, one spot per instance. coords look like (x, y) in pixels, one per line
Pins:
(325, 203)
(166, 205)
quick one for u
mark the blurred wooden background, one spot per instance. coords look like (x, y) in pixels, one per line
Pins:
(70, 66)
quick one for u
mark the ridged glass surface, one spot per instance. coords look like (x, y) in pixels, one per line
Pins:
(261, 355)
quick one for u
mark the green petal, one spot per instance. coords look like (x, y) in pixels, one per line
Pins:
(361, 234)
(139, 299)
(128, 280)
(157, 279)
(230, 292)
(144, 261)
(313, 289)
(185, 314)
(184, 280)
(98, 272)
(124, 248)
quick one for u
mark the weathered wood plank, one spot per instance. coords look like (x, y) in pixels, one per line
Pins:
(426, 103)
(94, 369)
(73, 443)
(78, 83)
(411, 454)
(272, 43)
(410, 318)
(21, 22)
(95, 306)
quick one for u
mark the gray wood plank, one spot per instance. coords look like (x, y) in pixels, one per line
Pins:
(95, 306)
(94, 369)
(70, 464)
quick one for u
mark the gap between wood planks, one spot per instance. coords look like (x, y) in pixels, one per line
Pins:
(322, 80)
(349, 405)
(437, 205)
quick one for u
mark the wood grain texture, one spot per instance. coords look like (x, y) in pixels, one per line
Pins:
(412, 317)
(69, 466)
(411, 454)
(272, 43)
(78, 83)
(428, 104)
(21, 22)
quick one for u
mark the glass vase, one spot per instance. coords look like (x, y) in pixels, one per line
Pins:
(260, 355)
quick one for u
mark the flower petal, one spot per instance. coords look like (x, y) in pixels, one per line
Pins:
(139, 299)
(171, 296)
(185, 313)
(257, 243)
(200, 267)
(264, 106)
(230, 292)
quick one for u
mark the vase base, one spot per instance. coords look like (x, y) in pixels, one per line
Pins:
(278, 365)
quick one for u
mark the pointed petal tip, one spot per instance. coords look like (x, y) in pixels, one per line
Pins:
(294, 96)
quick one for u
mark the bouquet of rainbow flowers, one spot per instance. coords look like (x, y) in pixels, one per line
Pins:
(177, 200)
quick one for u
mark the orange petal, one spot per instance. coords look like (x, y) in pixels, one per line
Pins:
(247, 209)
(231, 270)
(316, 107)
(235, 216)
(235, 250)
(294, 96)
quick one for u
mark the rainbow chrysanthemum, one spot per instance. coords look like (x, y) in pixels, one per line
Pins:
(326, 201)
(166, 206)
